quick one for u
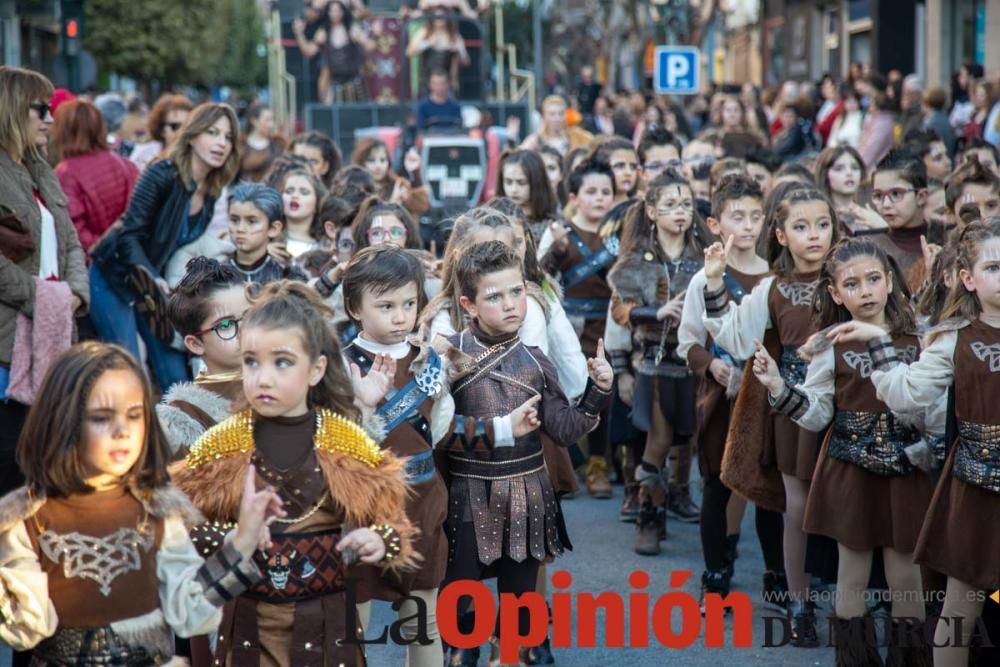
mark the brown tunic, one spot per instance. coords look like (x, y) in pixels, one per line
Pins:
(713, 406)
(795, 449)
(123, 531)
(595, 286)
(857, 508)
(958, 536)
(426, 506)
(285, 459)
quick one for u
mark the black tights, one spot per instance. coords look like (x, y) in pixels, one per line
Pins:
(512, 577)
(769, 524)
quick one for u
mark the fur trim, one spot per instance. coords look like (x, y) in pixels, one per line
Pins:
(215, 487)
(636, 279)
(749, 435)
(816, 345)
(456, 361)
(373, 495)
(374, 426)
(368, 491)
(18, 505)
(953, 324)
(535, 291)
(149, 631)
(181, 429)
(170, 501)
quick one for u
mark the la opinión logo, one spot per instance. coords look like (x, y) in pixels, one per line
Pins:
(636, 612)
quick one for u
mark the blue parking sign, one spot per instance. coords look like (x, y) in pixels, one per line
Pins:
(677, 70)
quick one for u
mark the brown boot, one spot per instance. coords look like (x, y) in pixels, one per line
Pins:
(647, 526)
(598, 485)
(854, 642)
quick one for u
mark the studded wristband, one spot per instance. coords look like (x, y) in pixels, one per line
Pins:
(390, 536)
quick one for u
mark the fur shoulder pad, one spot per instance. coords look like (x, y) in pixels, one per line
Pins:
(953, 324)
(817, 344)
(636, 278)
(170, 501)
(338, 435)
(536, 292)
(18, 505)
(232, 436)
(334, 435)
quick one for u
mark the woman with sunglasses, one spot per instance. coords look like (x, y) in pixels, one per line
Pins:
(172, 205)
(164, 122)
(42, 265)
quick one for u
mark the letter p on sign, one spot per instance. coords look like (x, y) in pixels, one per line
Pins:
(677, 70)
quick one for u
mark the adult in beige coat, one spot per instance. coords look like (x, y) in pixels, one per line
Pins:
(33, 218)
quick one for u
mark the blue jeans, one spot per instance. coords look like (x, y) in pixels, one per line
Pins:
(116, 322)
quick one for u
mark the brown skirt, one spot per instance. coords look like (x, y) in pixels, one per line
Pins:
(795, 449)
(427, 508)
(864, 511)
(960, 536)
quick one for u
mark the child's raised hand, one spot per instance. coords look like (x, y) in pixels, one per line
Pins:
(560, 237)
(412, 160)
(524, 419)
(257, 510)
(715, 259)
(766, 370)
(372, 388)
(364, 542)
(854, 331)
(279, 251)
(930, 252)
(599, 368)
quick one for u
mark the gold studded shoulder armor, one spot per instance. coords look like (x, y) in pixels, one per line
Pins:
(334, 435)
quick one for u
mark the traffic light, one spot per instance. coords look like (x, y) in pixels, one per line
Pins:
(72, 26)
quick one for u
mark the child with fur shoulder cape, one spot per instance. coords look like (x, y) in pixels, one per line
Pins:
(345, 496)
(205, 308)
(96, 563)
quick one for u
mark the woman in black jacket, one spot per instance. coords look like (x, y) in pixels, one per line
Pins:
(171, 206)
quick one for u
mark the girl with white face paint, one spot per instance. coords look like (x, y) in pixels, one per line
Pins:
(662, 248)
(957, 366)
(96, 482)
(800, 231)
(871, 485)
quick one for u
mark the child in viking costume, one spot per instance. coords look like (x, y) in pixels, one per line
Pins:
(662, 249)
(871, 486)
(503, 516)
(801, 231)
(383, 291)
(96, 565)
(957, 367)
(205, 308)
(345, 496)
(581, 256)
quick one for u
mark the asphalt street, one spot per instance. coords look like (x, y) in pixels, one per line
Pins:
(602, 560)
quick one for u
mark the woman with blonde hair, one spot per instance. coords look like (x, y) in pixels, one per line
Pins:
(554, 131)
(42, 267)
(172, 205)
